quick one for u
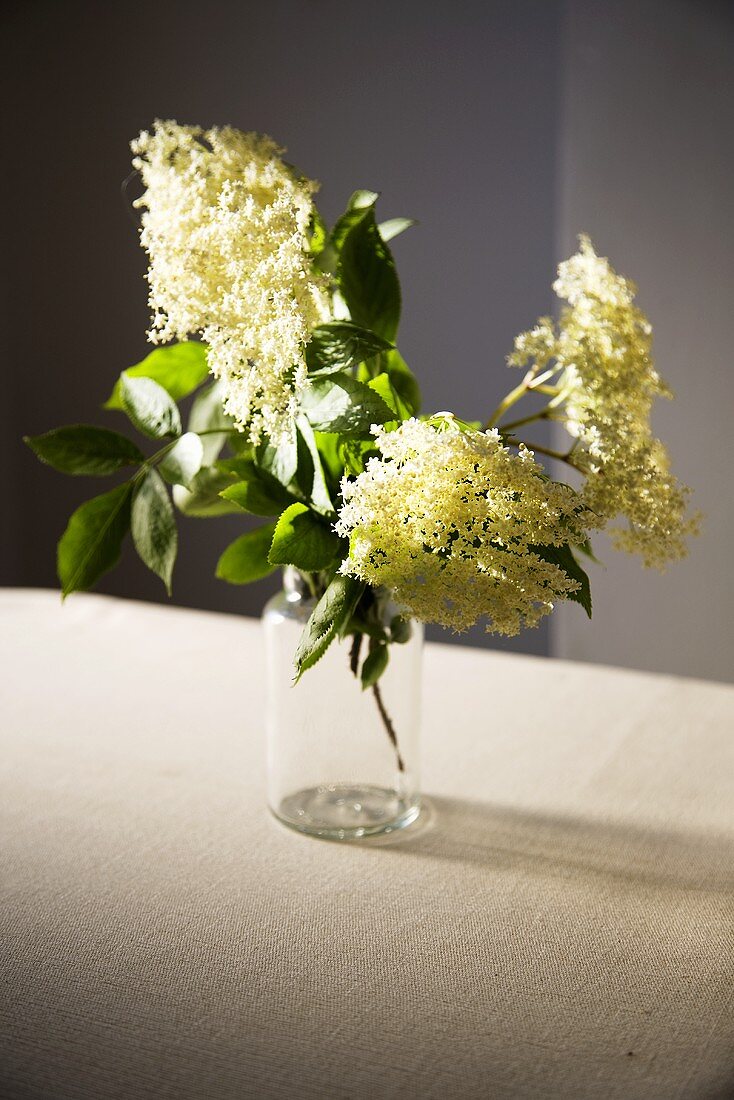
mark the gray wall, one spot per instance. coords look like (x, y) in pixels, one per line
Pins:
(449, 109)
(647, 168)
(505, 127)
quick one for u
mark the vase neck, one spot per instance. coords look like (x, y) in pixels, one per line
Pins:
(294, 584)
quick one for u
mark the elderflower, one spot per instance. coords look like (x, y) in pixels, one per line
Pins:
(225, 224)
(451, 522)
(603, 346)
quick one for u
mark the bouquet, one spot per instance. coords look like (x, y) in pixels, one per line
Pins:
(305, 414)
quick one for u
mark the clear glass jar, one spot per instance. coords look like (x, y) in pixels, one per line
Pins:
(342, 761)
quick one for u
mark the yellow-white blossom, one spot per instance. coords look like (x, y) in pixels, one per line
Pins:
(538, 345)
(225, 223)
(603, 348)
(448, 519)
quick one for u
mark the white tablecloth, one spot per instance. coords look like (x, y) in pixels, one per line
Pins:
(560, 925)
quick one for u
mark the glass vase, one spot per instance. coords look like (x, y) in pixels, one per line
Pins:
(342, 761)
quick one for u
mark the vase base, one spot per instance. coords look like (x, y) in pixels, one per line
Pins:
(346, 811)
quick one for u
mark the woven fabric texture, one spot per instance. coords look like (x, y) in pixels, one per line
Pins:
(560, 923)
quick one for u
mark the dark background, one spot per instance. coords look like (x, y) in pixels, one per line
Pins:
(449, 111)
(456, 112)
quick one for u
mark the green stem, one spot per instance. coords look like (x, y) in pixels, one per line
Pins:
(512, 397)
(354, 653)
(544, 414)
(387, 723)
(559, 455)
(312, 584)
(531, 381)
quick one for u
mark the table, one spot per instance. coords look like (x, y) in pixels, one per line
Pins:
(559, 924)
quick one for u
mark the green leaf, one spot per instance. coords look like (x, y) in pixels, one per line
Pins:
(319, 234)
(179, 368)
(240, 444)
(246, 559)
(402, 379)
(90, 545)
(328, 618)
(149, 407)
(355, 453)
(203, 500)
(367, 625)
(375, 664)
(339, 403)
(258, 492)
(239, 467)
(587, 550)
(207, 414)
(183, 462)
(393, 226)
(154, 527)
(368, 280)
(295, 463)
(303, 539)
(359, 202)
(562, 556)
(250, 496)
(310, 469)
(382, 385)
(341, 345)
(400, 630)
(280, 461)
(327, 444)
(83, 449)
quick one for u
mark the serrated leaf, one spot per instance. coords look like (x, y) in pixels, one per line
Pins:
(179, 368)
(587, 550)
(375, 664)
(339, 403)
(367, 278)
(383, 386)
(257, 492)
(207, 413)
(153, 525)
(394, 226)
(90, 545)
(204, 500)
(562, 556)
(327, 619)
(183, 462)
(83, 449)
(304, 539)
(150, 408)
(246, 559)
(341, 345)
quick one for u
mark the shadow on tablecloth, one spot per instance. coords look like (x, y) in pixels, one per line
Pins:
(492, 835)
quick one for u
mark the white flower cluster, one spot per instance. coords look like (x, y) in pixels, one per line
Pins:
(225, 225)
(603, 347)
(448, 519)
